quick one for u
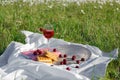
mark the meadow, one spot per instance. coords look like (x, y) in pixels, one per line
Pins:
(93, 23)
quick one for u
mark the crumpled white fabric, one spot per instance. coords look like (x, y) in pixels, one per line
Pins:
(14, 66)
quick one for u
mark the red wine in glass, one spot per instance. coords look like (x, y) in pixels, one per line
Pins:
(48, 33)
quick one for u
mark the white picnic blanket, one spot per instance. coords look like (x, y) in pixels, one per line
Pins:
(14, 66)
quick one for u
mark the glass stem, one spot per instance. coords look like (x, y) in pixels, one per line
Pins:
(48, 44)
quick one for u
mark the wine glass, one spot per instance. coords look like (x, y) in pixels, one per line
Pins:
(48, 32)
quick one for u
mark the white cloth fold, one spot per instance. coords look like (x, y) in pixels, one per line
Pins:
(14, 66)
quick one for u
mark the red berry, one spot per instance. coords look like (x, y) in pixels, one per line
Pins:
(39, 52)
(82, 59)
(35, 52)
(76, 66)
(64, 61)
(54, 50)
(78, 61)
(41, 29)
(68, 68)
(65, 55)
(73, 57)
(61, 63)
(60, 55)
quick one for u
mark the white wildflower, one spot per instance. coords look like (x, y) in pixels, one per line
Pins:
(111, 4)
(50, 6)
(100, 7)
(24, 1)
(82, 11)
(78, 3)
(117, 9)
(31, 3)
(65, 5)
(95, 7)
(40, 1)
(100, 2)
(12, 2)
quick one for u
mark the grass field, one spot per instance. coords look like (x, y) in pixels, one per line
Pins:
(96, 24)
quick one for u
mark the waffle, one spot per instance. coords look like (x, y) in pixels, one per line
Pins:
(51, 55)
(44, 59)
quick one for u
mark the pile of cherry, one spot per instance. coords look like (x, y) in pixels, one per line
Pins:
(65, 59)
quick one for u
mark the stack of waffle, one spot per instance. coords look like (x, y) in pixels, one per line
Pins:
(48, 57)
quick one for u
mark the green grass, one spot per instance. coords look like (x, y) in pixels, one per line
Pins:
(99, 26)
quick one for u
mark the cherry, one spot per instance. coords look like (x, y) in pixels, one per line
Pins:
(35, 52)
(41, 29)
(76, 66)
(60, 55)
(54, 50)
(68, 68)
(78, 61)
(39, 52)
(65, 55)
(64, 61)
(73, 57)
(82, 59)
(61, 63)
